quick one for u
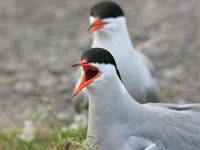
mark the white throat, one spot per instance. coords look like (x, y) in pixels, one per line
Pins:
(112, 35)
(109, 105)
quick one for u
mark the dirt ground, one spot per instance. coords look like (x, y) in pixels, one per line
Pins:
(40, 39)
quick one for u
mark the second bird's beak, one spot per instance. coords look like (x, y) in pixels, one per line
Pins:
(96, 25)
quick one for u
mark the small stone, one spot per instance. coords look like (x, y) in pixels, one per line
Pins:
(24, 87)
(28, 132)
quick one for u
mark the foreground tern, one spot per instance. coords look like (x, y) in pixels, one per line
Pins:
(108, 24)
(118, 122)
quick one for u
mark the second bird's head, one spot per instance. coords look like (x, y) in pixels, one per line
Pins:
(106, 16)
(98, 66)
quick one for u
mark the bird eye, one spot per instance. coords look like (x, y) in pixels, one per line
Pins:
(91, 14)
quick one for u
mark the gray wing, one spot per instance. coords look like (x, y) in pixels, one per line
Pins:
(147, 62)
(153, 94)
(178, 107)
(81, 100)
(174, 127)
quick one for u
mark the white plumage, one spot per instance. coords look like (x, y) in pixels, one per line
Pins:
(119, 122)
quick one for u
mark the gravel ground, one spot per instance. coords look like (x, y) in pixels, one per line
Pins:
(40, 39)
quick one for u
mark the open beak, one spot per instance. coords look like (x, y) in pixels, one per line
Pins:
(90, 73)
(97, 24)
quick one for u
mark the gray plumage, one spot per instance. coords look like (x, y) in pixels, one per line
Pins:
(118, 122)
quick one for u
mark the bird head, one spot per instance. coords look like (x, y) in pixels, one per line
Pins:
(98, 65)
(105, 16)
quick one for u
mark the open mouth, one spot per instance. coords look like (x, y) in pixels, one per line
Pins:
(90, 73)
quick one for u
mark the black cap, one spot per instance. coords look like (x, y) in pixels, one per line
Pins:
(107, 9)
(101, 56)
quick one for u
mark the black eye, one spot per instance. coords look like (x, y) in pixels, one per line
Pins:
(91, 14)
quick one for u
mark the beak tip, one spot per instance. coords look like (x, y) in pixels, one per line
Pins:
(73, 65)
(90, 27)
(89, 30)
(74, 94)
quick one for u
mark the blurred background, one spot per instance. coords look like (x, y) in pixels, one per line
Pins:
(40, 39)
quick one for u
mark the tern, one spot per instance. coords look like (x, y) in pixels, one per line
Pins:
(118, 122)
(109, 28)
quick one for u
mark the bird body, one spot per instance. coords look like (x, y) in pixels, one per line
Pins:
(132, 64)
(116, 121)
(119, 122)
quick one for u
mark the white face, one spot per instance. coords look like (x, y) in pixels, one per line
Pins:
(113, 23)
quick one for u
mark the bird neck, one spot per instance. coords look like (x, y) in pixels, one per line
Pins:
(110, 105)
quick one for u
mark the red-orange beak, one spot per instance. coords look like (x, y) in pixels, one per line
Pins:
(90, 73)
(98, 24)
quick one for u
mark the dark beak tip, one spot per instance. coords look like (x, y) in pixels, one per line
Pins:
(88, 30)
(74, 65)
